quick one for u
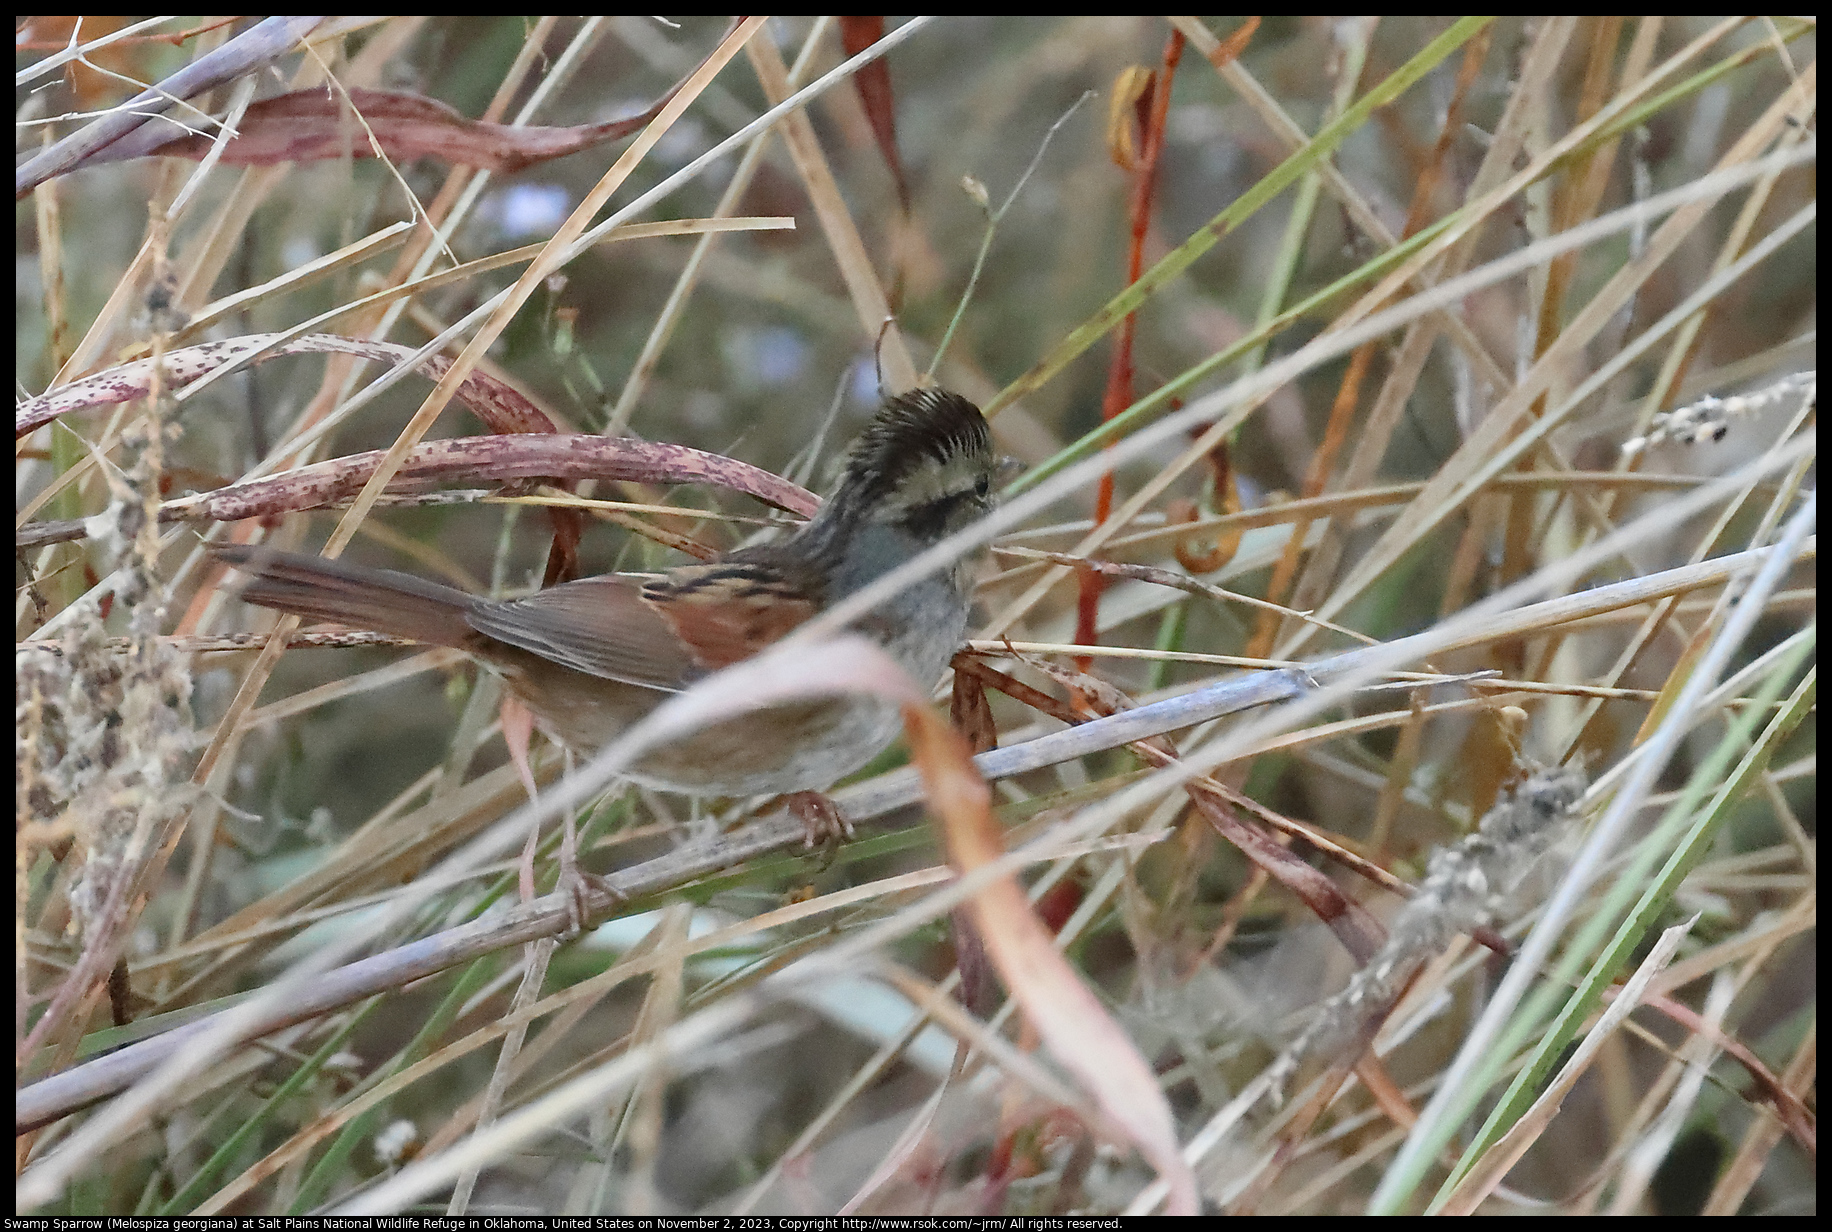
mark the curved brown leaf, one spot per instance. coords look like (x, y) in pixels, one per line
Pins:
(873, 82)
(311, 125)
(1075, 1026)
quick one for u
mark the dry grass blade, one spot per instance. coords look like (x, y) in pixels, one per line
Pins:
(1463, 418)
(1477, 1184)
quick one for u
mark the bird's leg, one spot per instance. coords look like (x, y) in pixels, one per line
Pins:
(574, 882)
(821, 819)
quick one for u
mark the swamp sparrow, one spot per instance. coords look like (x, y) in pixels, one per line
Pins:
(592, 657)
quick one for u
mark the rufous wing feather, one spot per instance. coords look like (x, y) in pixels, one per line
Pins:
(727, 611)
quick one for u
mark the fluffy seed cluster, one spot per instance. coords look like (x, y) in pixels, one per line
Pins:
(1710, 417)
(1471, 884)
(104, 735)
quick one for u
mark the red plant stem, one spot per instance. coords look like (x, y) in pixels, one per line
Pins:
(1118, 394)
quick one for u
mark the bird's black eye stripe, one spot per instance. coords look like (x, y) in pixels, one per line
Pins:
(927, 521)
(930, 519)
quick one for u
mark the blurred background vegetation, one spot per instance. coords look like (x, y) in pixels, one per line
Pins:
(1137, 134)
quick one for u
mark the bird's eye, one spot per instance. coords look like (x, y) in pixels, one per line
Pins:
(982, 487)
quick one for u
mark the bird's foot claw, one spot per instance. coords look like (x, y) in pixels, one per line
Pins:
(821, 820)
(579, 887)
